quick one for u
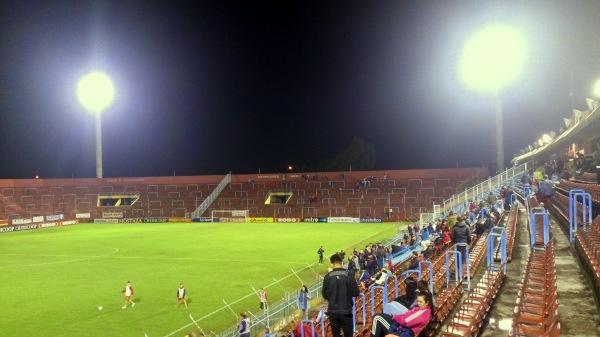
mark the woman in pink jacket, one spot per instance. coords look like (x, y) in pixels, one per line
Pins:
(407, 324)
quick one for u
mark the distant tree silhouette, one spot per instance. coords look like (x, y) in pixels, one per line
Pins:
(359, 155)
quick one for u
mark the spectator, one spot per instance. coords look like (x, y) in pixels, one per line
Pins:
(244, 325)
(380, 256)
(364, 277)
(451, 220)
(381, 277)
(351, 266)
(338, 289)
(414, 319)
(414, 263)
(491, 199)
(303, 301)
(446, 239)
(428, 250)
(545, 192)
(424, 236)
(400, 304)
(371, 260)
(507, 196)
(461, 234)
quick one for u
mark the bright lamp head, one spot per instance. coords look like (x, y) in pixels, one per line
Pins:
(95, 91)
(492, 58)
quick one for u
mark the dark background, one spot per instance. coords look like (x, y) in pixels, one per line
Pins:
(214, 86)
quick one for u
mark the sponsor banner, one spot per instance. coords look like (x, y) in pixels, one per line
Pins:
(112, 215)
(314, 219)
(205, 219)
(48, 224)
(238, 213)
(287, 219)
(180, 220)
(268, 176)
(25, 227)
(232, 219)
(55, 217)
(39, 218)
(70, 222)
(155, 219)
(131, 220)
(21, 221)
(343, 219)
(82, 216)
(260, 219)
(7, 229)
(4, 222)
(371, 220)
(106, 220)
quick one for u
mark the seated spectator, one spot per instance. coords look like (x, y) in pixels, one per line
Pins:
(407, 324)
(414, 263)
(298, 330)
(446, 236)
(428, 251)
(400, 304)
(381, 277)
(364, 278)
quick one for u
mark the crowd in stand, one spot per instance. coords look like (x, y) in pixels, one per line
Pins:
(409, 313)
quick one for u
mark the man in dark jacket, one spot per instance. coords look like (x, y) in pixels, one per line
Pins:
(339, 287)
(461, 234)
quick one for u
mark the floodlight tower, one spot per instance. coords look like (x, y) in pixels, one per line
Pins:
(96, 92)
(491, 58)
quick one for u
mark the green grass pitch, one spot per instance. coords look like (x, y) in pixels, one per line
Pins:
(53, 280)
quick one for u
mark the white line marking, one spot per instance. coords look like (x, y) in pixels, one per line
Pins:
(115, 250)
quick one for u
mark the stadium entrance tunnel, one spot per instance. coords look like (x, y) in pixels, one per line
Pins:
(117, 200)
(278, 198)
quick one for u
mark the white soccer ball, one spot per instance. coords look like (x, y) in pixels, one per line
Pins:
(100, 308)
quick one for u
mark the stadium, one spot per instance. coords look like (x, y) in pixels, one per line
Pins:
(223, 174)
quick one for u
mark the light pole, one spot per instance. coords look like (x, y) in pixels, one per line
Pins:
(491, 58)
(96, 92)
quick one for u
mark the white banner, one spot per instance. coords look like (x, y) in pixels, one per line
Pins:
(82, 216)
(343, 219)
(112, 215)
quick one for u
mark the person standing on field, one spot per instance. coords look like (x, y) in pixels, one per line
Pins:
(320, 252)
(181, 295)
(128, 291)
(264, 298)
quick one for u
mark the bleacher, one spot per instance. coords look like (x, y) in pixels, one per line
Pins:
(406, 197)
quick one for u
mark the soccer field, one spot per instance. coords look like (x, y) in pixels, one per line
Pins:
(53, 280)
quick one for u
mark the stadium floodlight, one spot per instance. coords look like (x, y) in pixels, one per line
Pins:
(96, 92)
(546, 138)
(596, 90)
(492, 58)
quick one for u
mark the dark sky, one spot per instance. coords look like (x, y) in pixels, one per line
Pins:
(206, 87)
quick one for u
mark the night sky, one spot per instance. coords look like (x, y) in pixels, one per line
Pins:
(207, 87)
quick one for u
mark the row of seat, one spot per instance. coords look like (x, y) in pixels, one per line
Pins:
(470, 317)
(536, 307)
(587, 245)
(446, 301)
(511, 229)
